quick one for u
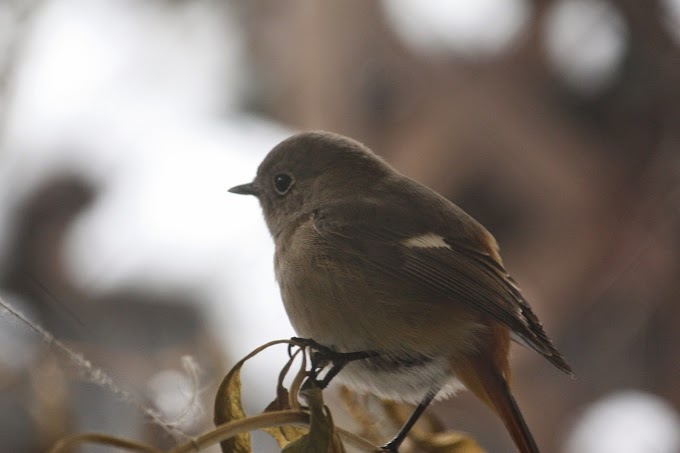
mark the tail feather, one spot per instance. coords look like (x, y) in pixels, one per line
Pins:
(489, 385)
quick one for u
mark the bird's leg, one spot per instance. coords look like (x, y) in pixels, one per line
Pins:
(321, 355)
(393, 445)
(339, 360)
(309, 343)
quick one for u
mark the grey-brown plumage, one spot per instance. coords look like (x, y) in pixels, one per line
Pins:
(368, 259)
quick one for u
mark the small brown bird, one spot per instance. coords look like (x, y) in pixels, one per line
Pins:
(370, 260)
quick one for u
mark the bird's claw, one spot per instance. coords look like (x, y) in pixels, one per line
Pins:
(321, 355)
(389, 447)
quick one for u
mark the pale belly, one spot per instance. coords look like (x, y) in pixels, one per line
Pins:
(329, 301)
(406, 383)
(417, 347)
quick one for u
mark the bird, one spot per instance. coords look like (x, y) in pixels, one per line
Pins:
(368, 259)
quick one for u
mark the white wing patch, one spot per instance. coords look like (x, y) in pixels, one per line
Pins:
(427, 241)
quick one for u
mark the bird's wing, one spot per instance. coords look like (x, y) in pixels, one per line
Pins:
(456, 268)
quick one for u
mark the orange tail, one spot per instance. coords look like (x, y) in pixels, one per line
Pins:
(488, 384)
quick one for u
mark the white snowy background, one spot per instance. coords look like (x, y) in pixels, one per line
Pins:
(144, 100)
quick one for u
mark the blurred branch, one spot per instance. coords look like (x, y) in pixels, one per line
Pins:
(94, 374)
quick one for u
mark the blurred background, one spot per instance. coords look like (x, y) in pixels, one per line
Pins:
(556, 123)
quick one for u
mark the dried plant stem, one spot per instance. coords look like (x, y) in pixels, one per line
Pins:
(94, 374)
(67, 443)
(297, 383)
(265, 420)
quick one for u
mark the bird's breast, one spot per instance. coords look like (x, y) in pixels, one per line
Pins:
(340, 300)
(328, 294)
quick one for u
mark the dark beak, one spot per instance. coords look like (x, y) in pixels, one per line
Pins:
(245, 189)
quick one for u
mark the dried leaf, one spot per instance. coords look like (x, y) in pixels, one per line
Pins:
(284, 435)
(385, 418)
(398, 413)
(355, 405)
(446, 442)
(428, 434)
(228, 407)
(321, 437)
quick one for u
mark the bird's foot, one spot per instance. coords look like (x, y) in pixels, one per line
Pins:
(322, 355)
(326, 354)
(391, 447)
(313, 345)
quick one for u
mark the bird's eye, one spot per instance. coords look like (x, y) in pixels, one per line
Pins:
(282, 183)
